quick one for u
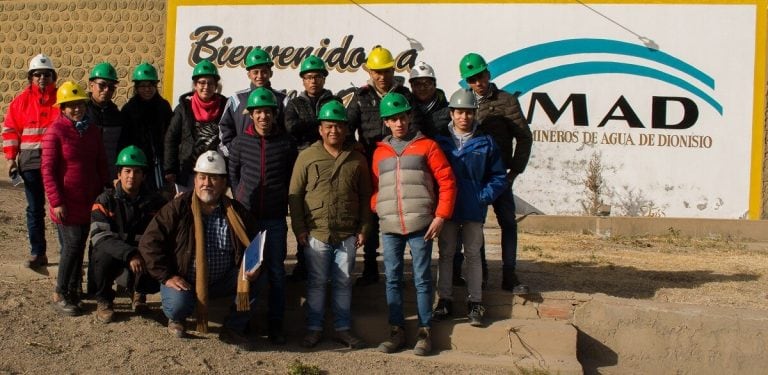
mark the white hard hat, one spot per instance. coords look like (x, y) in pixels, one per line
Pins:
(422, 70)
(39, 62)
(211, 162)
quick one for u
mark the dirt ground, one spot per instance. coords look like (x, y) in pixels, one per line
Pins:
(33, 339)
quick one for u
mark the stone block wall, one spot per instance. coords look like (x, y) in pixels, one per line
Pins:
(78, 35)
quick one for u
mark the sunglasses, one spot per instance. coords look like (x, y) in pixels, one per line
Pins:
(42, 74)
(103, 86)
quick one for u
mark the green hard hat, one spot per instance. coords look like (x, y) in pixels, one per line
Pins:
(313, 64)
(472, 64)
(144, 72)
(261, 97)
(131, 156)
(332, 111)
(205, 68)
(393, 104)
(103, 70)
(257, 57)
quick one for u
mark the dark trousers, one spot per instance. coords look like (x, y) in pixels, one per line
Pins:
(33, 189)
(371, 246)
(105, 269)
(70, 275)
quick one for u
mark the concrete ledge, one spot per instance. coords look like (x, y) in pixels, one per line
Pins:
(635, 226)
(622, 336)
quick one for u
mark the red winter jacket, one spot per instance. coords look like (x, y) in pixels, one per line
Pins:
(74, 169)
(29, 114)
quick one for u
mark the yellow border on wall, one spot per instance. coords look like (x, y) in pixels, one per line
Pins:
(758, 115)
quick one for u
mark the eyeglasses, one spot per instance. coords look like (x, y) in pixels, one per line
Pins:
(205, 82)
(103, 86)
(422, 84)
(313, 78)
(45, 74)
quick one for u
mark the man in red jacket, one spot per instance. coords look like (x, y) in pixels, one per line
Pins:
(28, 116)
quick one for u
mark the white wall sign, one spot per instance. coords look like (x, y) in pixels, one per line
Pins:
(677, 128)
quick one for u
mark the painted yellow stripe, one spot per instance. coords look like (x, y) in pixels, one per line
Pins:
(758, 114)
(170, 49)
(337, 2)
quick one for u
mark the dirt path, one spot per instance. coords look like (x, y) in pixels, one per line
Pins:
(33, 339)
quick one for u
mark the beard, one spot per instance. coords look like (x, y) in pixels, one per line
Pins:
(207, 196)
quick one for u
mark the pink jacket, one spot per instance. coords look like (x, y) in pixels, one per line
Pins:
(74, 169)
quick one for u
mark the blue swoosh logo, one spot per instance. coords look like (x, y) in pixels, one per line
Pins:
(528, 55)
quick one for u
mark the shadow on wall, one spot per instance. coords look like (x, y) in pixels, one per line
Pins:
(617, 281)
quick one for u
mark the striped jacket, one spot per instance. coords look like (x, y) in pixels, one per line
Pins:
(28, 116)
(404, 194)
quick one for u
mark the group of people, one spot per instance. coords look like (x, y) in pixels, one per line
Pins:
(145, 190)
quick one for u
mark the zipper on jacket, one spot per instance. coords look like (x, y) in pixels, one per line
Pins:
(263, 175)
(399, 196)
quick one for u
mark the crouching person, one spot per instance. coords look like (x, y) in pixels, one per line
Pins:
(194, 248)
(329, 198)
(118, 219)
(480, 179)
(414, 193)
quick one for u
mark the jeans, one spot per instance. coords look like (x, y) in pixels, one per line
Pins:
(71, 261)
(454, 234)
(504, 208)
(370, 247)
(334, 262)
(275, 249)
(178, 305)
(33, 189)
(421, 252)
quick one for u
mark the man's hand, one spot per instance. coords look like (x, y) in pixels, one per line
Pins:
(60, 213)
(178, 283)
(136, 264)
(303, 239)
(434, 228)
(11, 163)
(360, 241)
(251, 276)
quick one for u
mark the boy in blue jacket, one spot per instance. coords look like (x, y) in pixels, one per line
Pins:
(480, 179)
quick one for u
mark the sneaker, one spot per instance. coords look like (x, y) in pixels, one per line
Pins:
(104, 311)
(237, 339)
(509, 282)
(139, 303)
(36, 261)
(423, 342)
(475, 312)
(63, 306)
(347, 338)
(444, 310)
(395, 342)
(177, 329)
(311, 339)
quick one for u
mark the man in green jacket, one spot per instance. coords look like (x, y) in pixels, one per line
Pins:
(329, 199)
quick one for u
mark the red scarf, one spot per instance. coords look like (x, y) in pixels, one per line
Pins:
(206, 111)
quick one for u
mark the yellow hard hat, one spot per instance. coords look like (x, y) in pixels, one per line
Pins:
(380, 58)
(70, 92)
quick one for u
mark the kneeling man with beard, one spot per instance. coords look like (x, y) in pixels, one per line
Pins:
(194, 248)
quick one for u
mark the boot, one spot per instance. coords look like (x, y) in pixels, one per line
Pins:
(475, 312)
(509, 282)
(395, 342)
(104, 311)
(36, 261)
(423, 342)
(139, 303)
(443, 310)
